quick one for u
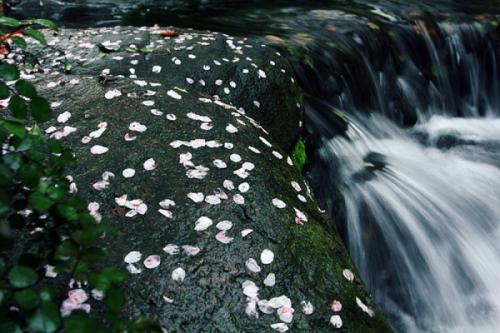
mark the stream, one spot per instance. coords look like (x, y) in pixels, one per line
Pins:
(402, 131)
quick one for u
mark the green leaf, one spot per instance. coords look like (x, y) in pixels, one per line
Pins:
(46, 294)
(18, 107)
(27, 299)
(19, 41)
(30, 175)
(14, 128)
(65, 251)
(40, 109)
(40, 202)
(70, 213)
(36, 35)
(114, 299)
(46, 319)
(9, 72)
(13, 160)
(79, 322)
(9, 21)
(54, 146)
(22, 277)
(5, 174)
(9, 327)
(45, 23)
(4, 91)
(25, 88)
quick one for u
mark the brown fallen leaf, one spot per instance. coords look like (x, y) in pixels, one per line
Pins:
(168, 33)
(330, 27)
(274, 38)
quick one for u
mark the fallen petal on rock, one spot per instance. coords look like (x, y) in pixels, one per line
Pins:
(278, 203)
(246, 232)
(149, 165)
(279, 327)
(270, 280)
(348, 274)
(252, 265)
(152, 261)
(223, 238)
(191, 250)
(250, 289)
(132, 257)
(196, 197)
(307, 307)
(336, 306)
(365, 308)
(171, 249)
(98, 150)
(336, 321)
(203, 223)
(267, 257)
(178, 274)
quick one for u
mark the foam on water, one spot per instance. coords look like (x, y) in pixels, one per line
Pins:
(423, 231)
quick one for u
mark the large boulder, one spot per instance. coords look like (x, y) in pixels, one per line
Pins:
(210, 202)
(240, 72)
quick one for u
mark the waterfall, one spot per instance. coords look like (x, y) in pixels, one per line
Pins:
(417, 199)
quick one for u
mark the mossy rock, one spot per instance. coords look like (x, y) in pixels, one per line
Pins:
(199, 144)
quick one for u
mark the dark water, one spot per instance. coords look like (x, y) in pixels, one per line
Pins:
(402, 131)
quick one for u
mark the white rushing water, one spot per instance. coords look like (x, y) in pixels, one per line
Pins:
(424, 231)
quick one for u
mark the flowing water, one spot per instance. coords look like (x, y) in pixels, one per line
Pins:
(403, 136)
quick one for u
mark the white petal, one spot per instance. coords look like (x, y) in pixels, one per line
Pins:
(286, 314)
(235, 158)
(270, 280)
(137, 127)
(224, 225)
(178, 274)
(365, 308)
(112, 94)
(173, 94)
(244, 187)
(171, 249)
(238, 199)
(278, 203)
(196, 197)
(267, 257)
(307, 307)
(223, 238)
(203, 223)
(212, 199)
(97, 150)
(165, 212)
(128, 173)
(279, 327)
(228, 184)
(149, 165)
(250, 289)
(191, 250)
(252, 265)
(246, 232)
(132, 257)
(348, 275)
(152, 261)
(336, 321)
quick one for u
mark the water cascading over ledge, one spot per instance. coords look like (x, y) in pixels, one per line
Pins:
(404, 141)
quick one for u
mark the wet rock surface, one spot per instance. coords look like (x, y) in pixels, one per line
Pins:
(214, 225)
(252, 76)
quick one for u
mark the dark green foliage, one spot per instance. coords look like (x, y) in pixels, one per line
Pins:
(41, 222)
